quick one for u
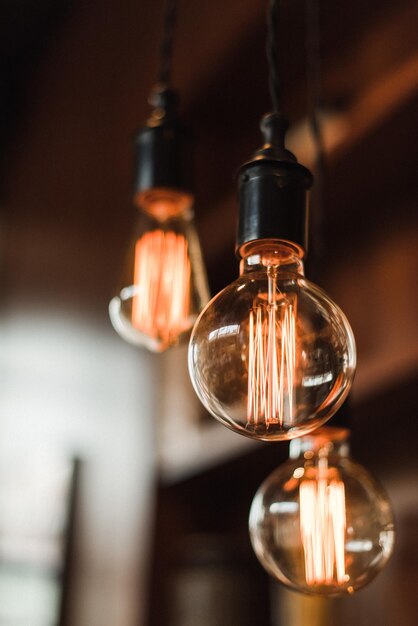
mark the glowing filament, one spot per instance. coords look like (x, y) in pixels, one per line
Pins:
(322, 524)
(271, 360)
(160, 306)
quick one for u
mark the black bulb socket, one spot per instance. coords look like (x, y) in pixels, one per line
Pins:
(164, 148)
(272, 191)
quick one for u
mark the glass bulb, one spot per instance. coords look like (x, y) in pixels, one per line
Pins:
(165, 286)
(320, 523)
(271, 356)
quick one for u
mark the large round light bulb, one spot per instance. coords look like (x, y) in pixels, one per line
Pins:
(320, 523)
(164, 287)
(271, 356)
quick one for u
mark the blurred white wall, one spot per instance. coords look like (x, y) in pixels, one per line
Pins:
(76, 389)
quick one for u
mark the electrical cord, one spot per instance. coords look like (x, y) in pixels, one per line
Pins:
(313, 82)
(167, 41)
(313, 76)
(273, 55)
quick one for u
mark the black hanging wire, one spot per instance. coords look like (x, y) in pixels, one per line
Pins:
(313, 80)
(164, 144)
(163, 99)
(273, 55)
(313, 75)
(166, 47)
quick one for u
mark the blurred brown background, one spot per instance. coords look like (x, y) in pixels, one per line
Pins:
(160, 524)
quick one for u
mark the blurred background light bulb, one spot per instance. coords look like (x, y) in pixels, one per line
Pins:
(165, 285)
(271, 356)
(320, 523)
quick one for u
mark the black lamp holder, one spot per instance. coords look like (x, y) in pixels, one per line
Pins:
(272, 190)
(164, 146)
(272, 186)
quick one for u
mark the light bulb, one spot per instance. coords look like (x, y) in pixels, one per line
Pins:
(165, 285)
(320, 523)
(271, 356)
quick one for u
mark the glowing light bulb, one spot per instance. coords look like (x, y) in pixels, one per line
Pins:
(320, 523)
(165, 285)
(322, 527)
(271, 356)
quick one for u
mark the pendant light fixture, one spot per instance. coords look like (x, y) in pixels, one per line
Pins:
(165, 286)
(271, 356)
(320, 523)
